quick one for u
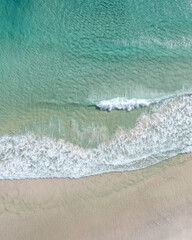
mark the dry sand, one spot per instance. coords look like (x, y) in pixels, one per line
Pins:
(154, 203)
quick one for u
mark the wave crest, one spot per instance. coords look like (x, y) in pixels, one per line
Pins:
(124, 104)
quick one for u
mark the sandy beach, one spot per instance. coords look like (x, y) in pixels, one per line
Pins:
(153, 203)
(95, 120)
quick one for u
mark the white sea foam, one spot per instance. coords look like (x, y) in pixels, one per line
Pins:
(124, 104)
(164, 133)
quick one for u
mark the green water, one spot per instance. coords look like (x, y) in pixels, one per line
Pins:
(61, 52)
(58, 58)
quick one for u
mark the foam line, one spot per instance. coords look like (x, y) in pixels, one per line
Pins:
(158, 135)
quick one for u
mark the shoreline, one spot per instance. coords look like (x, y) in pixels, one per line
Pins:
(152, 203)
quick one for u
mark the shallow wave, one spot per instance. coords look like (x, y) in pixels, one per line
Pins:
(158, 135)
(183, 42)
(124, 104)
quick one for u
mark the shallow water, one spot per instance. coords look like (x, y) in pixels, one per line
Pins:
(59, 59)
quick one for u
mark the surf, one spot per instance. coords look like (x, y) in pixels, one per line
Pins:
(124, 104)
(162, 133)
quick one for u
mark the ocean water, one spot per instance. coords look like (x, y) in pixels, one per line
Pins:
(88, 87)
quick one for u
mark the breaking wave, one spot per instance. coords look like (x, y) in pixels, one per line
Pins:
(124, 104)
(160, 134)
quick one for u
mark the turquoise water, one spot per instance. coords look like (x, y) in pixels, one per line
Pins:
(59, 59)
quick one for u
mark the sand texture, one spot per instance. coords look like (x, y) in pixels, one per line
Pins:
(154, 203)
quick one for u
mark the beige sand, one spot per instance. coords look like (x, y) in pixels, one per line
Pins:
(154, 203)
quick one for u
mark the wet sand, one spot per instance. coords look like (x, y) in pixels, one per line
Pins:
(153, 203)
